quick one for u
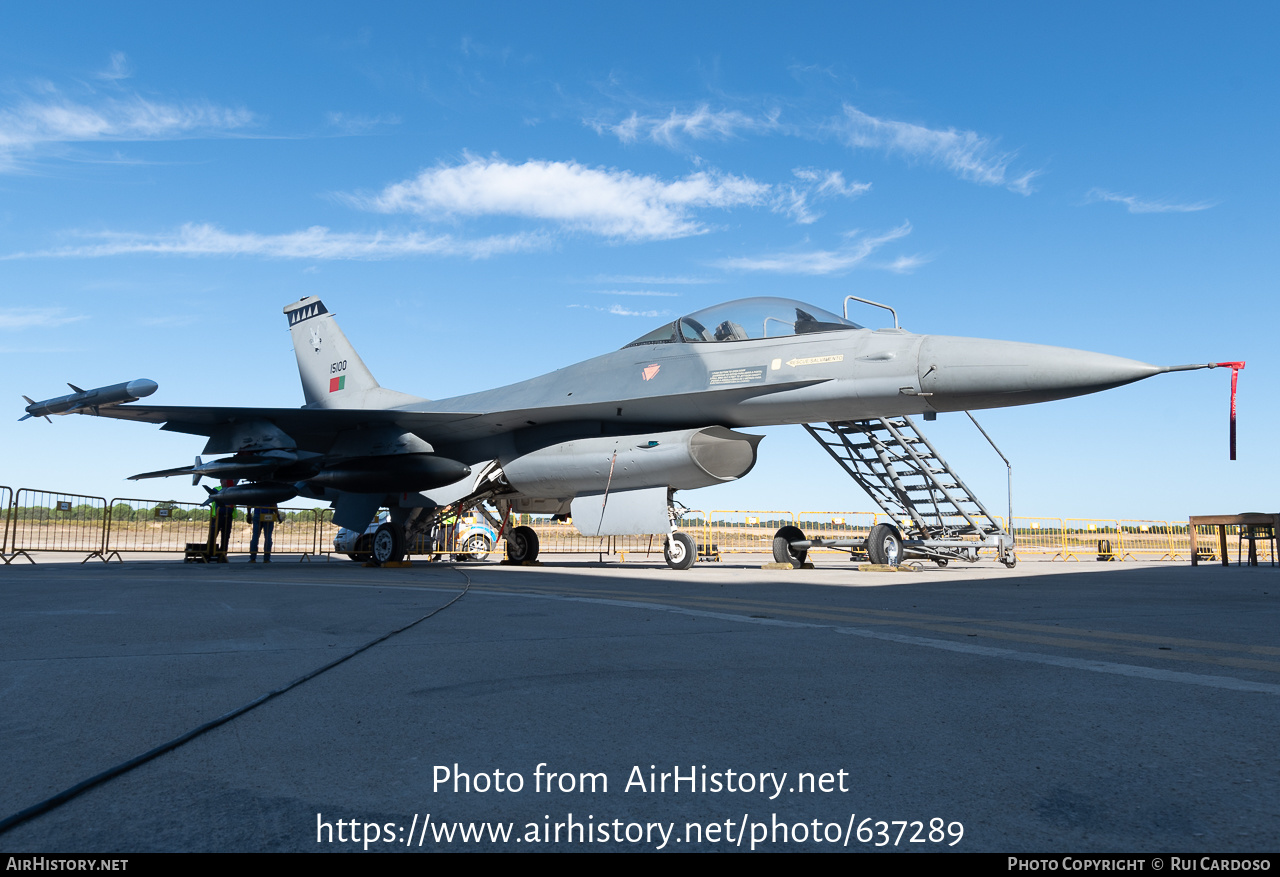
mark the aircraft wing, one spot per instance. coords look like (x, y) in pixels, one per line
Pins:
(311, 428)
(197, 420)
(443, 426)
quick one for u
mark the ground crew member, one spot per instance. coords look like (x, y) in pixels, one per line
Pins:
(264, 522)
(223, 514)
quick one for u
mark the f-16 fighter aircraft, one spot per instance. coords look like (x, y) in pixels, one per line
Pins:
(610, 440)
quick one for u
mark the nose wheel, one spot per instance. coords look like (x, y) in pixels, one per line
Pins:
(680, 551)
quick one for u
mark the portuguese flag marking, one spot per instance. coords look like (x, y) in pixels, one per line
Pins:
(336, 384)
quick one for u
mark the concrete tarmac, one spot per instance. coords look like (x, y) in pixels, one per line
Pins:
(1055, 707)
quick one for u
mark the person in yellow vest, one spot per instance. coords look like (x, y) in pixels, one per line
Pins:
(264, 522)
(446, 532)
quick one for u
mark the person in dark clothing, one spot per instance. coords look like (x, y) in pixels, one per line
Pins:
(224, 513)
(264, 522)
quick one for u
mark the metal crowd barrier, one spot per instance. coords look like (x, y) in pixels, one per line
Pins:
(1151, 539)
(1091, 539)
(42, 520)
(1208, 546)
(745, 532)
(148, 525)
(561, 537)
(143, 525)
(6, 507)
(1039, 536)
(294, 534)
(37, 521)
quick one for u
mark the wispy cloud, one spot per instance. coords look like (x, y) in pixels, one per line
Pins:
(605, 201)
(622, 311)
(118, 68)
(45, 116)
(316, 242)
(33, 318)
(905, 264)
(814, 185)
(656, 280)
(854, 252)
(701, 123)
(345, 123)
(1139, 205)
(608, 202)
(642, 292)
(967, 154)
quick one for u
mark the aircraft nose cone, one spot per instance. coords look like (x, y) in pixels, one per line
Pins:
(967, 373)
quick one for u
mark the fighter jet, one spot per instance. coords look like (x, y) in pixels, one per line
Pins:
(609, 441)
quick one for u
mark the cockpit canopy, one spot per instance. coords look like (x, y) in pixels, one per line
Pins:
(748, 319)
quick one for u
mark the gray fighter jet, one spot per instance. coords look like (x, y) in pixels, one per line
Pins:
(610, 440)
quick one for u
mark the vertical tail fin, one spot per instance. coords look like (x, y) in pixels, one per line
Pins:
(333, 374)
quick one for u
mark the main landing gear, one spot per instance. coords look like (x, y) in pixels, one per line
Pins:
(522, 545)
(388, 544)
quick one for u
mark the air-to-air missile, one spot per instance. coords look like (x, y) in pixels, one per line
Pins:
(81, 400)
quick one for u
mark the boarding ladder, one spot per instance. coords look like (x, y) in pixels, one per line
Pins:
(901, 471)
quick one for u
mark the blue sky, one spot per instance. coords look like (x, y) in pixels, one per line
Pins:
(486, 193)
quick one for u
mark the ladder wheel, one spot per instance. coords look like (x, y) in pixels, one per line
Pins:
(940, 561)
(884, 545)
(1011, 560)
(782, 550)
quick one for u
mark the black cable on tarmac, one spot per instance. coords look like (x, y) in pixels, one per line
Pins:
(124, 767)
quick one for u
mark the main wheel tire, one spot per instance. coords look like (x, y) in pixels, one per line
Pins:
(680, 551)
(476, 548)
(388, 545)
(522, 545)
(782, 550)
(884, 545)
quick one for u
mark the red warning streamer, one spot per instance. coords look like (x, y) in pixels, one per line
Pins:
(1235, 373)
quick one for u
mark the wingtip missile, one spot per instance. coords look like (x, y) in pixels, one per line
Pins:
(99, 397)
